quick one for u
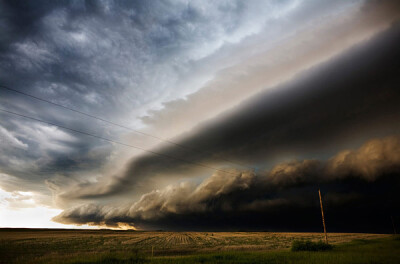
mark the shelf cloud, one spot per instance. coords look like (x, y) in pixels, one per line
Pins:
(323, 107)
(219, 114)
(285, 187)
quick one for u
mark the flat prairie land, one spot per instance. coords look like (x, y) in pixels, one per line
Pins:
(107, 246)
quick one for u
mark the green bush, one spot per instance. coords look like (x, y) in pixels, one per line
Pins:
(307, 245)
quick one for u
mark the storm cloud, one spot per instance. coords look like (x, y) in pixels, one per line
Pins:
(94, 56)
(242, 200)
(352, 96)
(270, 98)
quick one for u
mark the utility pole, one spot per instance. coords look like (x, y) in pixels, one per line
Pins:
(323, 218)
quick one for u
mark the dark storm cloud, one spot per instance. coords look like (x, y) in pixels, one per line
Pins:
(356, 183)
(114, 59)
(351, 97)
(123, 60)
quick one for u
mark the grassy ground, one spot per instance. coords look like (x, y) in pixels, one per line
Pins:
(84, 246)
(362, 251)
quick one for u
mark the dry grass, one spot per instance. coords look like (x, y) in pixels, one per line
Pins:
(57, 244)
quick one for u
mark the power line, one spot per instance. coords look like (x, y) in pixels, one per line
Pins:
(117, 142)
(121, 126)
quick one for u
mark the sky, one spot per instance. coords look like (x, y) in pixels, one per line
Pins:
(200, 115)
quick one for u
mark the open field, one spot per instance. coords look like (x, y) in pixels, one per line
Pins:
(92, 246)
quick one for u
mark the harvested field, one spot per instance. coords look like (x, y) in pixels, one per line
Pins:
(37, 245)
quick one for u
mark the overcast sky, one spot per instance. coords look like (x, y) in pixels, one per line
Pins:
(244, 109)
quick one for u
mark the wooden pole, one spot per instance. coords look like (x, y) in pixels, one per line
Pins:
(323, 218)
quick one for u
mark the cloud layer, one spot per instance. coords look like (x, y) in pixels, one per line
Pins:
(254, 82)
(222, 200)
(353, 96)
(117, 60)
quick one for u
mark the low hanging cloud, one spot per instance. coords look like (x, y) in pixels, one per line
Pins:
(373, 159)
(352, 96)
(241, 198)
